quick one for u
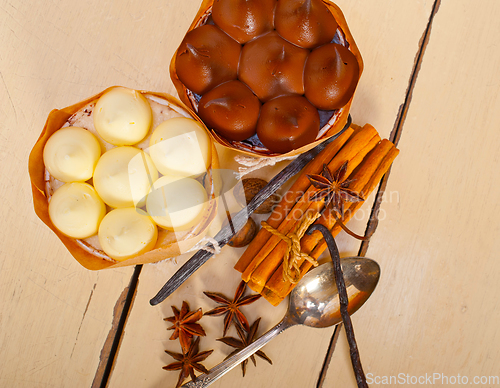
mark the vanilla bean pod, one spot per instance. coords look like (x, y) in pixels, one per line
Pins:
(344, 301)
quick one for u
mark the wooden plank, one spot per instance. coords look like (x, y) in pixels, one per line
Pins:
(436, 309)
(55, 315)
(298, 354)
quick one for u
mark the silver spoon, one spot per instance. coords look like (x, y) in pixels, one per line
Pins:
(313, 302)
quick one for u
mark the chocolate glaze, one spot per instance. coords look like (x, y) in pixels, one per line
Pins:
(272, 67)
(207, 57)
(231, 109)
(331, 76)
(287, 123)
(306, 23)
(244, 20)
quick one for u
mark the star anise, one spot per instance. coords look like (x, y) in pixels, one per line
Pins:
(243, 342)
(231, 307)
(185, 326)
(188, 361)
(334, 189)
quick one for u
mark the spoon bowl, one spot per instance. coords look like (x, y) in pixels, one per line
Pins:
(313, 302)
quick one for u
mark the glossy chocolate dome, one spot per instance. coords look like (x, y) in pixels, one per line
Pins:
(272, 67)
(331, 76)
(231, 109)
(244, 20)
(275, 39)
(287, 123)
(306, 23)
(207, 57)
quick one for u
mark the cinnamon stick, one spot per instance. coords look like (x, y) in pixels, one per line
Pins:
(371, 185)
(291, 197)
(367, 177)
(294, 204)
(272, 253)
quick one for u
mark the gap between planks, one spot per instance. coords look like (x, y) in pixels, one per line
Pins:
(112, 344)
(394, 137)
(398, 126)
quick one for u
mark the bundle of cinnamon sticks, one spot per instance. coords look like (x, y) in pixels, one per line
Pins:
(368, 157)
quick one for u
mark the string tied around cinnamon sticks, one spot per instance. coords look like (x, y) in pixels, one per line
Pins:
(293, 254)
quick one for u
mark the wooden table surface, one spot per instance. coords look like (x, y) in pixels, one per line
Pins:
(431, 83)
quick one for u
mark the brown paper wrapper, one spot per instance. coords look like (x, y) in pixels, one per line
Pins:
(167, 245)
(334, 125)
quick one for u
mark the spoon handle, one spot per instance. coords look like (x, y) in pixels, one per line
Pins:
(204, 380)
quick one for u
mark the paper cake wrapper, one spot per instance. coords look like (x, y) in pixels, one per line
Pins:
(333, 126)
(167, 245)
